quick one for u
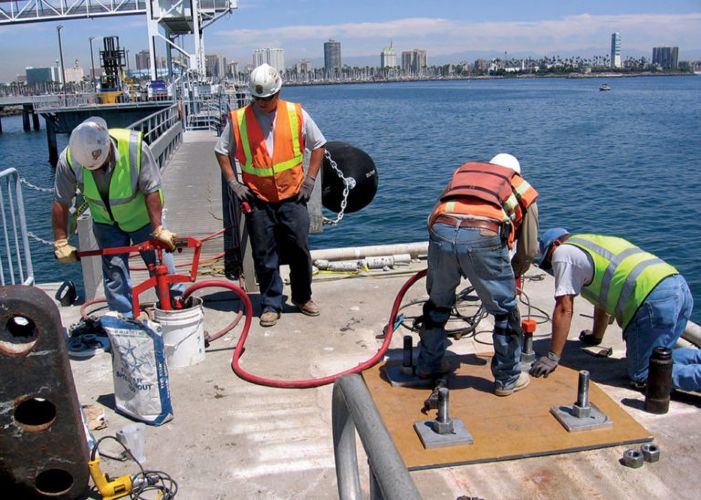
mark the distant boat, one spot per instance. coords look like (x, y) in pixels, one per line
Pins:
(604, 87)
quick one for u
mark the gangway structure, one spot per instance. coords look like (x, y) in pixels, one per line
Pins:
(176, 18)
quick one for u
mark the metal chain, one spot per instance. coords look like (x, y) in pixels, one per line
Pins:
(348, 183)
(30, 185)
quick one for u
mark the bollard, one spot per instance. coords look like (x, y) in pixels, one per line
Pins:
(659, 381)
(44, 447)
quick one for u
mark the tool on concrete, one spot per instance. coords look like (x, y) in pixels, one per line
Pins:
(443, 431)
(582, 415)
(651, 452)
(659, 381)
(527, 353)
(134, 484)
(633, 459)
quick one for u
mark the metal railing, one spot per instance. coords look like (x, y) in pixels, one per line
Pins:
(62, 101)
(353, 409)
(15, 256)
(163, 132)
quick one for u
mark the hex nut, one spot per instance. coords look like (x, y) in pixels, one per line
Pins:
(581, 411)
(444, 427)
(633, 459)
(651, 453)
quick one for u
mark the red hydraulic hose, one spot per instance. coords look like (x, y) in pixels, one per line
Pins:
(316, 382)
(248, 307)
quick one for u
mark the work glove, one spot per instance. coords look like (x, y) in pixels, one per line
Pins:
(165, 236)
(545, 365)
(586, 337)
(305, 192)
(242, 191)
(64, 252)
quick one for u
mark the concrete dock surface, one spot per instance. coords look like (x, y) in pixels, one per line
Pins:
(230, 438)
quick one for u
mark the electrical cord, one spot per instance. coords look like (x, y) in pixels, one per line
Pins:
(145, 480)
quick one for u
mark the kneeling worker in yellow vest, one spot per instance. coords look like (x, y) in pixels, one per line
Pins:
(266, 140)
(650, 300)
(117, 175)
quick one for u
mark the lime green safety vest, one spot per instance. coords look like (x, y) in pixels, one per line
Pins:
(624, 275)
(127, 205)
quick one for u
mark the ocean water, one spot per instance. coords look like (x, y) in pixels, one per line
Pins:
(623, 163)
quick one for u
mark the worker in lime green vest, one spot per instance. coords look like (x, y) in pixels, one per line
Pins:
(117, 175)
(648, 297)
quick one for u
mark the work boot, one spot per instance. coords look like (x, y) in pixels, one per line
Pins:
(269, 317)
(521, 383)
(309, 308)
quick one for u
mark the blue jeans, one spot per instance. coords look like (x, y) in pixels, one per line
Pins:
(280, 230)
(482, 257)
(115, 268)
(660, 321)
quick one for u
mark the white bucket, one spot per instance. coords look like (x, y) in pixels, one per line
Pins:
(183, 334)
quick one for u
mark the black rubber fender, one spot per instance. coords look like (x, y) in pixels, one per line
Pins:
(352, 162)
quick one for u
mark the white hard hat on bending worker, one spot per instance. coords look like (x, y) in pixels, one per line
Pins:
(89, 143)
(508, 161)
(265, 81)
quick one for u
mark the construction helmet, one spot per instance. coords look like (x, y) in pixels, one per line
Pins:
(508, 161)
(545, 241)
(265, 81)
(89, 143)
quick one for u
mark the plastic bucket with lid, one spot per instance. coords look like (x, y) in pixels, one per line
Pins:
(183, 334)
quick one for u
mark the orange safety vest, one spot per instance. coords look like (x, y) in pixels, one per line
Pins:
(489, 191)
(280, 176)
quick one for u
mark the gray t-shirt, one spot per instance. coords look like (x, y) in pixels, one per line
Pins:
(572, 269)
(313, 138)
(67, 182)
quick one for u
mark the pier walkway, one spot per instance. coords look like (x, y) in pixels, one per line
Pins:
(233, 439)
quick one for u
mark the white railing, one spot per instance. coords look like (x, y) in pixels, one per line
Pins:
(163, 132)
(15, 255)
(62, 101)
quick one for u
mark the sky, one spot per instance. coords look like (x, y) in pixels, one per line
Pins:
(450, 31)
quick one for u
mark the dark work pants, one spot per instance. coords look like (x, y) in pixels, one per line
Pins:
(280, 231)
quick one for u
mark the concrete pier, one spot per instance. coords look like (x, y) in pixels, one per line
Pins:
(231, 438)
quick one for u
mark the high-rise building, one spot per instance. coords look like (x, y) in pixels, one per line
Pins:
(616, 50)
(215, 65)
(414, 62)
(332, 58)
(142, 60)
(274, 57)
(38, 75)
(666, 57)
(388, 57)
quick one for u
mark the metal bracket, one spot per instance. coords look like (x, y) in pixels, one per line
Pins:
(567, 417)
(430, 438)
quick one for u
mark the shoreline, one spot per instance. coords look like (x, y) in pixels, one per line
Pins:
(529, 76)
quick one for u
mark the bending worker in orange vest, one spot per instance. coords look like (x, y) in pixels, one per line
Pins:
(267, 140)
(484, 209)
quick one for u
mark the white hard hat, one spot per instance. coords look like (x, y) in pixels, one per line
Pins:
(265, 81)
(90, 143)
(508, 161)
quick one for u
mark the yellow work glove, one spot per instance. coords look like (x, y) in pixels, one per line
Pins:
(164, 236)
(64, 252)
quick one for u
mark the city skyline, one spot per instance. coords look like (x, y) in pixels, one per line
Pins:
(448, 31)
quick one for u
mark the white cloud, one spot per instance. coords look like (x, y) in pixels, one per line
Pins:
(445, 36)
